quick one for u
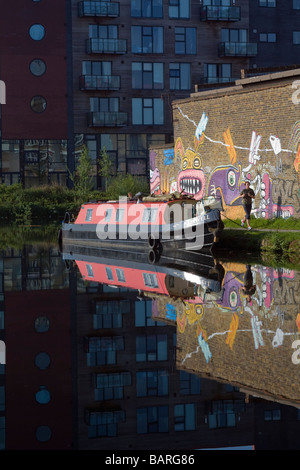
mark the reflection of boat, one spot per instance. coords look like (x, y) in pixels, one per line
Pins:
(154, 225)
(183, 278)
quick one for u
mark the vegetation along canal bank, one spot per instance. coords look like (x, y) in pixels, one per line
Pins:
(23, 212)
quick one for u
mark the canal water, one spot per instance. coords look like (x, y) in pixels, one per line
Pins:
(98, 353)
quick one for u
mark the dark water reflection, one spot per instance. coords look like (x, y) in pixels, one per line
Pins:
(157, 357)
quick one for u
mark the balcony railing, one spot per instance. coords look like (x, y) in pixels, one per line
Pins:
(234, 49)
(106, 46)
(96, 8)
(99, 82)
(213, 13)
(107, 119)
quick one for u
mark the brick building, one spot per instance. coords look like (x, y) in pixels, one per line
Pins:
(223, 137)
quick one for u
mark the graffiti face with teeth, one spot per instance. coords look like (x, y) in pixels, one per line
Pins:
(191, 178)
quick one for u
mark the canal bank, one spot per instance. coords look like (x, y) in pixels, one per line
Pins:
(268, 245)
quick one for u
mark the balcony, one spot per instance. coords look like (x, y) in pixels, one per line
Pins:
(99, 82)
(237, 49)
(213, 13)
(107, 119)
(96, 8)
(106, 46)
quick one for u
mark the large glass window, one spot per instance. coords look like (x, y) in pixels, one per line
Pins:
(185, 417)
(189, 384)
(217, 3)
(296, 37)
(180, 76)
(152, 383)
(185, 40)
(267, 37)
(147, 39)
(104, 104)
(234, 35)
(152, 419)
(103, 31)
(143, 309)
(296, 4)
(147, 111)
(179, 8)
(147, 8)
(147, 75)
(151, 348)
(217, 73)
(267, 3)
(93, 67)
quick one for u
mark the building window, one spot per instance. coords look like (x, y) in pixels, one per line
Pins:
(267, 3)
(43, 433)
(109, 314)
(143, 311)
(37, 67)
(296, 4)
(42, 324)
(267, 37)
(111, 386)
(43, 395)
(147, 8)
(103, 423)
(152, 419)
(90, 67)
(103, 31)
(179, 8)
(104, 104)
(189, 384)
(38, 104)
(272, 415)
(151, 348)
(222, 415)
(42, 360)
(37, 32)
(185, 419)
(152, 383)
(102, 350)
(185, 40)
(234, 35)
(217, 73)
(180, 76)
(296, 37)
(147, 39)
(217, 3)
(147, 75)
(147, 111)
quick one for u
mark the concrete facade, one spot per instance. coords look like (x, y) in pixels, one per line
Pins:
(223, 137)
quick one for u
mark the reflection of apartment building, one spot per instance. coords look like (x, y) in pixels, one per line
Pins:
(130, 394)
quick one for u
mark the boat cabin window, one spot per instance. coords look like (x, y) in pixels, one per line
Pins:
(119, 215)
(120, 275)
(108, 215)
(88, 216)
(149, 214)
(89, 269)
(109, 273)
(150, 280)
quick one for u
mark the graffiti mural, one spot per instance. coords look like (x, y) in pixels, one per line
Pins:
(206, 160)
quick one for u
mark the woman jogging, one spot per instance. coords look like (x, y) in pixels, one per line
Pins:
(247, 195)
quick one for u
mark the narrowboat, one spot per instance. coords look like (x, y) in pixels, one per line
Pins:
(152, 224)
(186, 280)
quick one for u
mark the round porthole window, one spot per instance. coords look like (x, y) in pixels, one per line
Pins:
(43, 396)
(42, 360)
(43, 433)
(37, 32)
(38, 104)
(37, 67)
(41, 324)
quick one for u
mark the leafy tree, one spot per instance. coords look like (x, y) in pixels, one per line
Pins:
(106, 167)
(83, 177)
(122, 184)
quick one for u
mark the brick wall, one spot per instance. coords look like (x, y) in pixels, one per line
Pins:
(223, 137)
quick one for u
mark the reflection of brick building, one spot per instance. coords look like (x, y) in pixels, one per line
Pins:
(38, 371)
